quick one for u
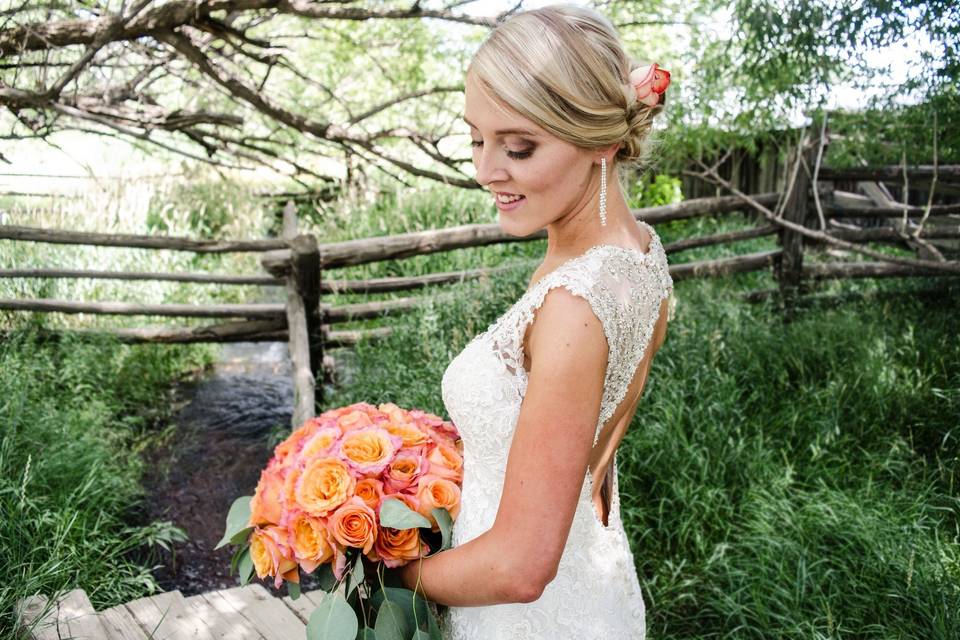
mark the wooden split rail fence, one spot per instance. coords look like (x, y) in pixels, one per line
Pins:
(300, 264)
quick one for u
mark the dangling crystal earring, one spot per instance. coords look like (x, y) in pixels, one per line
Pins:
(603, 192)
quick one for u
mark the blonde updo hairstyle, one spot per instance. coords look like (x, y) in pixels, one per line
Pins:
(564, 67)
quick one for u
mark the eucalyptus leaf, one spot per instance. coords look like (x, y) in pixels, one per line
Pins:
(333, 619)
(293, 588)
(433, 628)
(356, 574)
(236, 558)
(238, 520)
(324, 575)
(446, 525)
(420, 634)
(241, 536)
(392, 623)
(397, 515)
(405, 599)
(245, 566)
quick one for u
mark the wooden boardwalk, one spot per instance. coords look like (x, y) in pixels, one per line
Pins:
(241, 613)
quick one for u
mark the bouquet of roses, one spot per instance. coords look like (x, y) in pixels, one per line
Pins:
(349, 495)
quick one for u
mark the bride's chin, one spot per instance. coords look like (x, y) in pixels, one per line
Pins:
(511, 228)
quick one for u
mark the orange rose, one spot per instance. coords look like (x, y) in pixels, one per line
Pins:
(272, 556)
(446, 462)
(354, 524)
(266, 505)
(309, 541)
(435, 491)
(354, 420)
(370, 490)
(324, 485)
(367, 450)
(319, 443)
(396, 547)
(290, 486)
(410, 434)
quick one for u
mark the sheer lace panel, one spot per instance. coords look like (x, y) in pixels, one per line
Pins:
(624, 288)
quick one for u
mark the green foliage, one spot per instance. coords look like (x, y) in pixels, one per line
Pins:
(333, 619)
(237, 526)
(75, 416)
(201, 208)
(659, 190)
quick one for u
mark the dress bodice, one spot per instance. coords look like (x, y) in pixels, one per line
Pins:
(483, 390)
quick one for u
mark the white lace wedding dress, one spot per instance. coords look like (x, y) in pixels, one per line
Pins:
(596, 593)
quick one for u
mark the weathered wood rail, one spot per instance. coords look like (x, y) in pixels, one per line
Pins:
(300, 264)
(250, 612)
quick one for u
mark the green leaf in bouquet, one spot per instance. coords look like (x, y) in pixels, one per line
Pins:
(356, 574)
(392, 623)
(397, 515)
(245, 566)
(333, 619)
(405, 599)
(293, 588)
(446, 525)
(366, 633)
(236, 557)
(238, 520)
(324, 575)
(433, 629)
(420, 634)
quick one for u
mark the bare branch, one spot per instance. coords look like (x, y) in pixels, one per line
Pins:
(933, 182)
(177, 13)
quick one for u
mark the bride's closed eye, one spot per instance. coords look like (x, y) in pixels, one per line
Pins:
(516, 155)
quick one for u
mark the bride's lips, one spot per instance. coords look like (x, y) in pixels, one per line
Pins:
(508, 206)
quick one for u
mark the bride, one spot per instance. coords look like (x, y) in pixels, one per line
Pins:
(544, 396)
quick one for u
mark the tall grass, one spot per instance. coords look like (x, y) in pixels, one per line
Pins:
(76, 416)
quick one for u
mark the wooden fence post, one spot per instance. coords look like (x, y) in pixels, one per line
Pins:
(298, 281)
(305, 266)
(789, 268)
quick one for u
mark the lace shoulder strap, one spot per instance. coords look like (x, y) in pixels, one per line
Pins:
(624, 288)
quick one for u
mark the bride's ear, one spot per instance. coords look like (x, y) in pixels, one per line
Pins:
(609, 152)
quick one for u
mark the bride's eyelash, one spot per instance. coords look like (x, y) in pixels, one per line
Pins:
(516, 155)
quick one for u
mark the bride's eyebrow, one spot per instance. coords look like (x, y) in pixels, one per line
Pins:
(503, 132)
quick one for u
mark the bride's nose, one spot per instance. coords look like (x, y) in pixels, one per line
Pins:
(490, 166)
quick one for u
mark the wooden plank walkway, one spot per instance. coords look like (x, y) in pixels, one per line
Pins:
(250, 612)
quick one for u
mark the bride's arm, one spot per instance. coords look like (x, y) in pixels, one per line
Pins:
(518, 556)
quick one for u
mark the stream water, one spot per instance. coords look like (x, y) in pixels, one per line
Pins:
(220, 445)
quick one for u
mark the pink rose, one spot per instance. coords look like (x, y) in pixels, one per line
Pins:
(272, 556)
(649, 83)
(405, 470)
